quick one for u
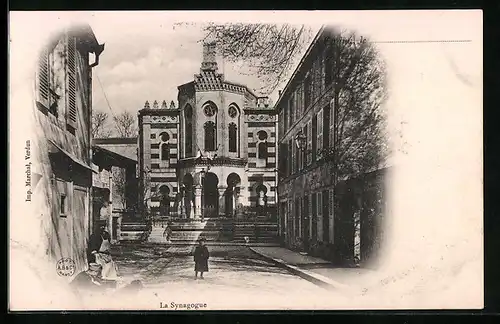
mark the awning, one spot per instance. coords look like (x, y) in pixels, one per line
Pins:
(70, 156)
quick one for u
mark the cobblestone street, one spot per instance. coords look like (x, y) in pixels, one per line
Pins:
(237, 278)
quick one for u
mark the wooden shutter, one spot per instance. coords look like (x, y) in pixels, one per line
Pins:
(309, 142)
(332, 124)
(43, 79)
(71, 110)
(319, 133)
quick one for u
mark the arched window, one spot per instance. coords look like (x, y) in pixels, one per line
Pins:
(188, 129)
(210, 136)
(164, 137)
(233, 137)
(232, 111)
(263, 150)
(261, 135)
(209, 110)
(165, 152)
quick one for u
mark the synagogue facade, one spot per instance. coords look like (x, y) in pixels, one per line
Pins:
(211, 155)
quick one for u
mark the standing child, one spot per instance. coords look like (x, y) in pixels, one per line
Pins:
(201, 255)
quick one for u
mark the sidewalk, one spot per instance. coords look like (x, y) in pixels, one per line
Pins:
(315, 270)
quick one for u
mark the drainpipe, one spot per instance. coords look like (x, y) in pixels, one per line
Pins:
(97, 51)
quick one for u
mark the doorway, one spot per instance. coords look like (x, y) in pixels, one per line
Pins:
(210, 195)
(233, 181)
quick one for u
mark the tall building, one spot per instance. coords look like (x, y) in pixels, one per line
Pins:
(333, 219)
(63, 101)
(213, 154)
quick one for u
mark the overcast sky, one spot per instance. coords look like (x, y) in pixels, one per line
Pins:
(149, 63)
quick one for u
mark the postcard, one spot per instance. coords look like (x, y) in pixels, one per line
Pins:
(245, 160)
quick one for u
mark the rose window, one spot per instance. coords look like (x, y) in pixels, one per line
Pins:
(209, 110)
(232, 112)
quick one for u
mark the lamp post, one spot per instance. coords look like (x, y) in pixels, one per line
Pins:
(301, 140)
(202, 180)
(204, 157)
(182, 190)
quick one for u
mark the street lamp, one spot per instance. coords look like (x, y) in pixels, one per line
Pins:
(301, 140)
(202, 181)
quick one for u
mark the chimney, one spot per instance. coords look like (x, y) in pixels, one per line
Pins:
(279, 93)
(209, 62)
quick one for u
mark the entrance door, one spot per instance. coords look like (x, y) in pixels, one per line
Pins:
(210, 195)
(65, 215)
(233, 181)
(229, 201)
(305, 219)
(80, 225)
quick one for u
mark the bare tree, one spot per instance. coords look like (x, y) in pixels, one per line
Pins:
(126, 125)
(358, 79)
(99, 125)
(354, 68)
(119, 185)
(268, 50)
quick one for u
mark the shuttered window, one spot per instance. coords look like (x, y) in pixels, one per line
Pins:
(307, 92)
(331, 134)
(43, 79)
(303, 153)
(71, 113)
(309, 142)
(319, 133)
(300, 99)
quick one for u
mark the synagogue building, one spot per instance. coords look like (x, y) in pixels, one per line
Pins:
(211, 155)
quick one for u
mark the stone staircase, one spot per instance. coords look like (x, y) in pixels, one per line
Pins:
(264, 233)
(189, 232)
(133, 231)
(212, 230)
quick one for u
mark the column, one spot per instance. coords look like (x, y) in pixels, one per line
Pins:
(197, 202)
(182, 207)
(222, 201)
(239, 197)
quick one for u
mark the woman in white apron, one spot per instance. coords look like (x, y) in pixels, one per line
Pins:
(103, 258)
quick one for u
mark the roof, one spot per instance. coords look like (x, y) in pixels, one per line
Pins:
(115, 140)
(222, 81)
(84, 33)
(112, 157)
